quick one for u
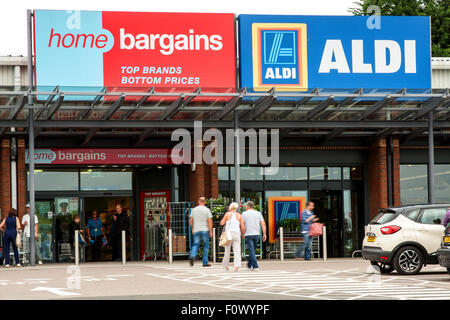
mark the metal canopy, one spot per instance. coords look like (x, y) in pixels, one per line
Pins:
(325, 114)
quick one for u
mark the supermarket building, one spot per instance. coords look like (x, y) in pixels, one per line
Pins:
(102, 130)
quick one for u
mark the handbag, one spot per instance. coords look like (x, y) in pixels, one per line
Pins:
(81, 239)
(225, 238)
(18, 240)
(315, 229)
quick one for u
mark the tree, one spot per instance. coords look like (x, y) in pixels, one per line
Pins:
(438, 10)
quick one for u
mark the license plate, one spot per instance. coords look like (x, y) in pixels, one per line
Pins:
(372, 239)
(446, 239)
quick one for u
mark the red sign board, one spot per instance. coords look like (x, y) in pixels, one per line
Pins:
(101, 156)
(171, 51)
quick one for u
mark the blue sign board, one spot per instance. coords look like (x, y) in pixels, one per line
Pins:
(287, 210)
(297, 53)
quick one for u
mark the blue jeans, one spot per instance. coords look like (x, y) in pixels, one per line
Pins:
(198, 238)
(10, 239)
(252, 244)
(305, 249)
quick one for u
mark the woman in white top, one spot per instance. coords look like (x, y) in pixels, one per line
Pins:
(235, 224)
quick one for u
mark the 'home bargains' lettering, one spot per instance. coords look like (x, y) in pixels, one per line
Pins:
(165, 43)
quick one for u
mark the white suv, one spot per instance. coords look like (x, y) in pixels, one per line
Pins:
(405, 238)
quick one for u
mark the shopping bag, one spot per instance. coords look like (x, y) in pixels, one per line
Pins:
(225, 238)
(315, 229)
(81, 238)
(18, 240)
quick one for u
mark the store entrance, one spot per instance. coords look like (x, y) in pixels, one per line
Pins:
(338, 210)
(328, 208)
(104, 207)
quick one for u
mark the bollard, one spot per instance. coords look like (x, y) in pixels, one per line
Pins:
(124, 248)
(77, 243)
(281, 244)
(170, 247)
(324, 243)
(214, 245)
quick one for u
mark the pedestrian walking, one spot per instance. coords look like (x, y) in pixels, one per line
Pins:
(201, 224)
(11, 226)
(307, 218)
(235, 225)
(253, 222)
(26, 230)
(95, 233)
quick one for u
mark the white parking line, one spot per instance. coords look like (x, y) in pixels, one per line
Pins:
(327, 284)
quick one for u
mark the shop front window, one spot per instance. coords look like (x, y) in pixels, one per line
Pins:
(222, 173)
(317, 173)
(333, 173)
(286, 173)
(54, 180)
(413, 184)
(352, 173)
(442, 183)
(325, 173)
(97, 179)
(248, 173)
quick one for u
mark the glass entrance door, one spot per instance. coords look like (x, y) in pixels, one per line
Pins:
(44, 212)
(65, 209)
(339, 211)
(329, 210)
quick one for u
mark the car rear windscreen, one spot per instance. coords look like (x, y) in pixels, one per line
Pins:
(384, 216)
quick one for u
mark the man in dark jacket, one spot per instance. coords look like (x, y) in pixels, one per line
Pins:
(121, 223)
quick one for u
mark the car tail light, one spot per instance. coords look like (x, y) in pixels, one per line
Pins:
(389, 229)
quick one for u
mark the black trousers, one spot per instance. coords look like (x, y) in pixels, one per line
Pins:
(116, 247)
(96, 248)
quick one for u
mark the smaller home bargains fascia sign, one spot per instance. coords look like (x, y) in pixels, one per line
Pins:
(102, 156)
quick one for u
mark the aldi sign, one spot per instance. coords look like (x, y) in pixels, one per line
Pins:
(134, 49)
(294, 53)
(280, 55)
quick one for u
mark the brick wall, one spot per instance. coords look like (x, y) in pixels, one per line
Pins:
(214, 181)
(196, 182)
(21, 177)
(377, 171)
(5, 177)
(396, 171)
(203, 182)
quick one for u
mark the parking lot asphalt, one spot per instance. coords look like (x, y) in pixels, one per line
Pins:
(335, 279)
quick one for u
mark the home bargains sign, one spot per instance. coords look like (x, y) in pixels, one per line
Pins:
(101, 156)
(134, 49)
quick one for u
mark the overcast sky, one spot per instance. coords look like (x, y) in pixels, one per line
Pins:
(13, 34)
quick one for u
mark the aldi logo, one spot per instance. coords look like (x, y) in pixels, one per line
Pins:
(281, 208)
(279, 56)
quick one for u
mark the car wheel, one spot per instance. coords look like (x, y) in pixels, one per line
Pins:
(408, 261)
(448, 271)
(383, 268)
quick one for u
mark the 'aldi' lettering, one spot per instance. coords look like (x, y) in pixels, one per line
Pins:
(388, 57)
